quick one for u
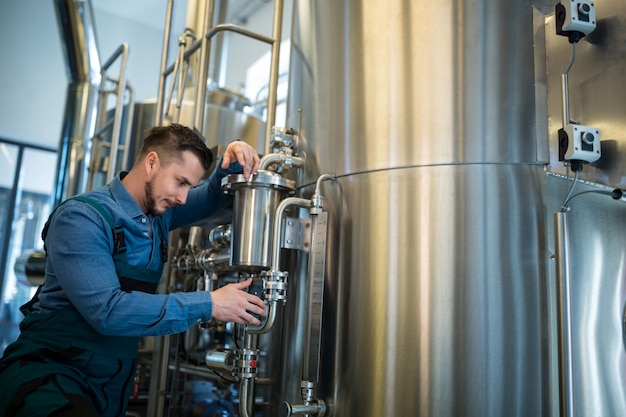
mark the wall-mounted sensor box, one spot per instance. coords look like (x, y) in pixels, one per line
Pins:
(575, 19)
(579, 143)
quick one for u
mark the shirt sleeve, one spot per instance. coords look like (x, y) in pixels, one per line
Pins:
(206, 199)
(81, 271)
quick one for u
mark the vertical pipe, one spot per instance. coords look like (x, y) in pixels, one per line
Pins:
(564, 325)
(205, 53)
(119, 104)
(218, 71)
(565, 98)
(246, 387)
(164, 58)
(273, 87)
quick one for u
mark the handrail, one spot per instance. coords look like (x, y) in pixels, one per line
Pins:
(204, 45)
(102, 124)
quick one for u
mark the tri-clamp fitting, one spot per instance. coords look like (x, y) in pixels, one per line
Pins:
(275, 285)
(247, 362)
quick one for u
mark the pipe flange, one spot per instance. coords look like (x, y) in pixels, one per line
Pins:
(260, 179)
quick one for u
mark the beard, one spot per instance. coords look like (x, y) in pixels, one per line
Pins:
(151, 204)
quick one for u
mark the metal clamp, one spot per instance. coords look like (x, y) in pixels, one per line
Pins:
(275, 285)
(247, 363)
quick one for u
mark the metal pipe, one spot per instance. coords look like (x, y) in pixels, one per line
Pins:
(273, 88)
(164, 58)
(117, 118)
(277, 230)
(214, 31)
(238, 29)
(280, 210)
(104, 123)
(565, 98)
(271, 158)
(268, 323)
(564, 320)
(280, 158)
(288, 410)
(204, 64)
(246, 386)
(205, 54)
(130, 115)
(218, 72)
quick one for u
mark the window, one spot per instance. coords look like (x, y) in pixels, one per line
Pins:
(26, 182)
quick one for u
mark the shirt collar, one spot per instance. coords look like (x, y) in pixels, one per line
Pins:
(123, 197)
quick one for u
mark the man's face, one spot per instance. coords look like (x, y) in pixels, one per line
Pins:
(168, 186)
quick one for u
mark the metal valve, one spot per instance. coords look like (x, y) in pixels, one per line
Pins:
(310, 406)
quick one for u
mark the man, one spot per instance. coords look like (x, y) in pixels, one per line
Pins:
(105, 253)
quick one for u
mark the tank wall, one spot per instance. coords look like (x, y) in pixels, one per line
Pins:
(403, 83)
(442, 310)
(437, 274)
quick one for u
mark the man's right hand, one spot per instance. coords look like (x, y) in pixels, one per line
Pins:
(232, 303)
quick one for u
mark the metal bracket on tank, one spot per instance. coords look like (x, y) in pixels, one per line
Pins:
(294, 236)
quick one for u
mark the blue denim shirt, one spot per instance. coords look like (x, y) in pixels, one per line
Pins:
(80, 268)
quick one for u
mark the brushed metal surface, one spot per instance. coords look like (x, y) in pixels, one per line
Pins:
(436, 290)
(597, 269)
(386, 84)
(440, 308)
(254, 216)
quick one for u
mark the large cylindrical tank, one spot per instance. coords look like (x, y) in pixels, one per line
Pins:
(434, 299)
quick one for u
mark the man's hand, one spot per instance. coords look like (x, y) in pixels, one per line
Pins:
(231, 303)
(243, 153)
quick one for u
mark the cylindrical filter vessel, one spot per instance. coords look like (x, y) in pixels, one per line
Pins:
(254, 212)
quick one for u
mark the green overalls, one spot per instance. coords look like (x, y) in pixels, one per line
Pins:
(60, 362)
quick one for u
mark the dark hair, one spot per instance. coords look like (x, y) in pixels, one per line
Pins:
(170, 141)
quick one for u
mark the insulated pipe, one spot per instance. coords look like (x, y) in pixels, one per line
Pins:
(76, 24)
(564, 324)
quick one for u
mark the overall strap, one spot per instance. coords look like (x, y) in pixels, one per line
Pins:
(131, 277)
(119, 243)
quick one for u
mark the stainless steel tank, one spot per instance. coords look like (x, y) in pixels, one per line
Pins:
(436, 269)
